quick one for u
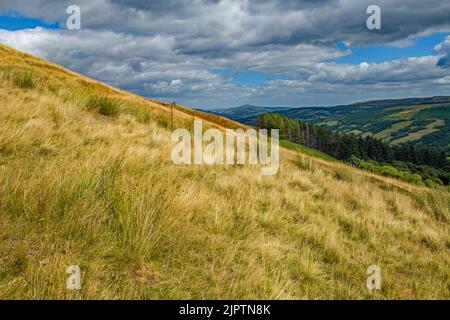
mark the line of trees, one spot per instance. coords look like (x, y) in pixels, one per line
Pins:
(345, 146)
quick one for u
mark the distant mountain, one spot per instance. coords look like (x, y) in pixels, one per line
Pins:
(420, 121)
(246, 113)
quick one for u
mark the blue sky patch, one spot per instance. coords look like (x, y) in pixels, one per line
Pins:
(423, 46)
(12, 22)
(247, 77)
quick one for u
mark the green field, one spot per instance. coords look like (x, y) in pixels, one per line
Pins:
(386, 133)
(427, 125)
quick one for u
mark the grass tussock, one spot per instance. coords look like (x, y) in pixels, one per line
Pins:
(344, 174)
(102, 193)
(24, 80)
(304, 163)
(110, 107)
(143, 116)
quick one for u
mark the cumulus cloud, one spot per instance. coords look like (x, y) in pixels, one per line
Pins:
(173, 49)
(403, 70)
(151, 64)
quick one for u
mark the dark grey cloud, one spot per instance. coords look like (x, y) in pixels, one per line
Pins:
(200, 26)
(443, 51)
(444, 62)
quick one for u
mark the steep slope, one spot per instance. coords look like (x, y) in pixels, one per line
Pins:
(96, 187)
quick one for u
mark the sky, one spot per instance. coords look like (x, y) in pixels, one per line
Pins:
(225, 53)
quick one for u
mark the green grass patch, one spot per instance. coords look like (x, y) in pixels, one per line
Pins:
(143, 116)
(104, 105)
(413, 136)
(311, 152)
(24, 80)
(386, 133)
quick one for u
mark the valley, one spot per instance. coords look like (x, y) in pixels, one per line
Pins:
(419, 121)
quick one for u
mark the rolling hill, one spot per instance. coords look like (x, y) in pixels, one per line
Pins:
(86, 179)
(420, 121)
(244, 114)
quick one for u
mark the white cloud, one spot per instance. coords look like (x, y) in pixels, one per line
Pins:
(170, 49)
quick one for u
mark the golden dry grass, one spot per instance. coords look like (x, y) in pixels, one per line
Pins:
(101, 192)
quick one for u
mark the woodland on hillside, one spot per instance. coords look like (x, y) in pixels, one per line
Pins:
(411, 163)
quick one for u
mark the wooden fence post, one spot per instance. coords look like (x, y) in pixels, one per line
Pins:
(171, 113)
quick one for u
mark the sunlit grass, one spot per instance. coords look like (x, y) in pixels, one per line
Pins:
(101, 192)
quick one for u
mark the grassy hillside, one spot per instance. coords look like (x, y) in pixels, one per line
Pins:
(426, 125)
(86, 179)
